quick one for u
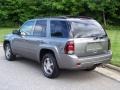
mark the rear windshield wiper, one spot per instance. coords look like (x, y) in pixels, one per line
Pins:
(95, 35)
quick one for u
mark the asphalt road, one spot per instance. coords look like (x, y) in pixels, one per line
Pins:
(24, 74)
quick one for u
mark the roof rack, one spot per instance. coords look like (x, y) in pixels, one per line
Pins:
(85, 17)
(70, 16)
(67, 16)
(62, 17)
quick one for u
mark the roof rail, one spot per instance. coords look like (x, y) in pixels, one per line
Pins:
(70, 16)
(67, 16)
(85, 17)
(62, 17)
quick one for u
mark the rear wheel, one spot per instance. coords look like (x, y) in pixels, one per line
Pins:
(8, 53)
(49, 66)
(90, 68)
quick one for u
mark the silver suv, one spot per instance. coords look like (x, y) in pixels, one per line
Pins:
(60, 43)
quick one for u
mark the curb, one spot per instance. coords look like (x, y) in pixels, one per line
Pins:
(110, 73)
(113, 67)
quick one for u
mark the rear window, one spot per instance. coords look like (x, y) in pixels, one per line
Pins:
(59, 29)
(86, 28)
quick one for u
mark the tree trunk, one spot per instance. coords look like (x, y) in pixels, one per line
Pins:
(104, 19)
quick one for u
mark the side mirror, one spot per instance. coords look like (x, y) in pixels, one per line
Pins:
(23, 33)
(16, 32)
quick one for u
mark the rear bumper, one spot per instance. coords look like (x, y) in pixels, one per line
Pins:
(74, 62)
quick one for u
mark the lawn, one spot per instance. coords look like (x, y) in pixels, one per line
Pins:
(113, 33)
(4, 31)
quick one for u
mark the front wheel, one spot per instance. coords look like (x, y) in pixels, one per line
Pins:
(8, 53)
(49, 66)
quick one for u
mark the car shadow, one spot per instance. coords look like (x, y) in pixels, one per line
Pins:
(28, 62)
(78, 75)
(65, 75)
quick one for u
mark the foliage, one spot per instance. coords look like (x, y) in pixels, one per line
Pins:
(15, 12)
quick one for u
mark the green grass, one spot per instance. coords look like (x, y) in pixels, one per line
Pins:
(4, 31)
(113, 33)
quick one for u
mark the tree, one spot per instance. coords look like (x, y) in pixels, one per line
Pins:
(17, 11)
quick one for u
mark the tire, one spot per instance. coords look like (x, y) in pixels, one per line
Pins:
(90, 69)
(8, 53)
(49, 66)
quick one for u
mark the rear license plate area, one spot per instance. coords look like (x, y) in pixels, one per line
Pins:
(94, 47)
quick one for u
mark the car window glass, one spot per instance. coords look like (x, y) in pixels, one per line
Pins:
(27, 28)
(59, 29)
(86, 28)
(40, 28)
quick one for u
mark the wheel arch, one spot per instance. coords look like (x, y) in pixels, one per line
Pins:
(5, 42)
(43, 51)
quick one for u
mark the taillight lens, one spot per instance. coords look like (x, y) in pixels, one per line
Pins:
(69, 48)
(109, 44)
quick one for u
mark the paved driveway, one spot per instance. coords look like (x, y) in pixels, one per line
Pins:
(26, 75)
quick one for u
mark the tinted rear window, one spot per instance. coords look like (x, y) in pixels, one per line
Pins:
(85, 28)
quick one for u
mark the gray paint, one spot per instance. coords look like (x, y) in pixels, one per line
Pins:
(30, 47)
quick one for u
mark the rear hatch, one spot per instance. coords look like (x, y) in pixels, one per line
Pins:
(89, 37)
(89, 46)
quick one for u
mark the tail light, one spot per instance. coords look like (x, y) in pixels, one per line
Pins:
(69, 48)
(109, 44)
